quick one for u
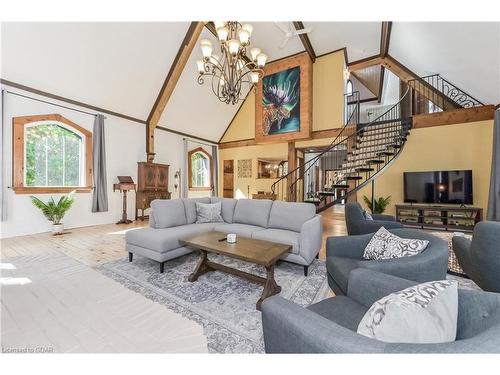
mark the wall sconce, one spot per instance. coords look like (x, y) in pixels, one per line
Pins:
(177, 179)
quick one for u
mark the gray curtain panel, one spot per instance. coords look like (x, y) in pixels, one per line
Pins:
(100, 197)
(215, 171)
(494, 198)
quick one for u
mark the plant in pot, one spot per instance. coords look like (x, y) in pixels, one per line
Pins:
(380, 204)
(53, 211)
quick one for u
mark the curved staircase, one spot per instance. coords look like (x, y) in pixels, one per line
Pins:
(358, 155)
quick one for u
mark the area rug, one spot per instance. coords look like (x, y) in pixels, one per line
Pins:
(223, 304)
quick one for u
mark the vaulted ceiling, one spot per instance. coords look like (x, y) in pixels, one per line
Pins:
(122, 66)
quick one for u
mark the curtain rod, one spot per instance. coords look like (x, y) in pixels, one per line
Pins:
(51, 103)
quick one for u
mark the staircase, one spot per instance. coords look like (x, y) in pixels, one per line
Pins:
(358, 154)
(362, 152)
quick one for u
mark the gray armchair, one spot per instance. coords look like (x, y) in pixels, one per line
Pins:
(344, 254)
(330, 326)
(356, 222)
(480, 258)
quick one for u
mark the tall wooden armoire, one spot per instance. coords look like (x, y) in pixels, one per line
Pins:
(152, 183)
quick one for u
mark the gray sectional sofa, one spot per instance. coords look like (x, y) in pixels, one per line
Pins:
(296, 224)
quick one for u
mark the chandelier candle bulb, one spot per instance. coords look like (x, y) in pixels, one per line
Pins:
(254, 76)
(219, 24)
(206, 48)
(254, 52)
(234, 46)
(222, 33)
(248, 28)
(261, 60)
(201, 66)
(244, 37)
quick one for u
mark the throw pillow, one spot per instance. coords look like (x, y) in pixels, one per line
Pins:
(385, 245)
(367, 215)
(422, 314)
(208, 213)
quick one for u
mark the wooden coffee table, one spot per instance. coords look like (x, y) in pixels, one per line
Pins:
(265, 253)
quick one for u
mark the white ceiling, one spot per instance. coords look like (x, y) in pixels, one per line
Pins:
(121, 66)
(116, 66)
(465, 53)
(193, 108)
(362, 39)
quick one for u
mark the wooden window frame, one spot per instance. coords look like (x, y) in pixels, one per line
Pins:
(18, 168)
(190, 170)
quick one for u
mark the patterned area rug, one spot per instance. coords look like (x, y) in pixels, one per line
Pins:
(222, 303)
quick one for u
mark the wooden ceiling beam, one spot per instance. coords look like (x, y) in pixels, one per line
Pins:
(385, 38)
(364, 63)
(183, 54)
(305, 40)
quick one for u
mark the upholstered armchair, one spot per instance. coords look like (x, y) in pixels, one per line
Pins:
(357, 223)
(480, 258)
(330, 326)
(345, 253)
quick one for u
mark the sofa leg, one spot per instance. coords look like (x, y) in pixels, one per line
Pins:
(162, 267)
(130, 256)
(306, 269)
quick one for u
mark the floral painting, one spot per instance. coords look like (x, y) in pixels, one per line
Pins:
(245, 168)
(281, 102)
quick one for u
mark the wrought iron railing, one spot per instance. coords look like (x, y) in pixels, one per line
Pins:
(434, 93)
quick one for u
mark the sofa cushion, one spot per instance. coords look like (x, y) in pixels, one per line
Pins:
(208, 212)
(168, 213)
(290, 216)
(339, 269)
(166, 239)
(252, 212)
(228, 206)
(286, 237)
(239, 229)
(421, 314)
(340, 309)
(190, 207)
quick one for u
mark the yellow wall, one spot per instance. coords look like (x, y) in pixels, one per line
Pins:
(463, 146)
(328, 100)
(328, 91)
(243, 125)
(250, 152)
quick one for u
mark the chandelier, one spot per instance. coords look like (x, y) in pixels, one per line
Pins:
(233, 69)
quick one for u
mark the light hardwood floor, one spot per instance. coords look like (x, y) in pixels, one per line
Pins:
(103, 243)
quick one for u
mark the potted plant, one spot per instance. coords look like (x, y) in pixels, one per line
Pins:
(53, 211)
(380, 204)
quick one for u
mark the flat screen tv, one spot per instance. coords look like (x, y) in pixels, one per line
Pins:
(438, 187)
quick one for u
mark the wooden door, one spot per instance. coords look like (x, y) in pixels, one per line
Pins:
(228, 179)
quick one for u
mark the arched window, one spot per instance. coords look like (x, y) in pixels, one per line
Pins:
(199, 167)
(51, 155)
(348, 87)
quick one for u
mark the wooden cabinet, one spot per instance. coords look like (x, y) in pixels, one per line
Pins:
(152, 183)
(442, 217)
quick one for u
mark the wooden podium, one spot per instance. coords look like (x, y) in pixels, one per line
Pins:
(125, 183)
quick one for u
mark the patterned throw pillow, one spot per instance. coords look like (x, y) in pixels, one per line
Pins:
(422, 314)
(385, 245)
(208, 213)
(367, 215)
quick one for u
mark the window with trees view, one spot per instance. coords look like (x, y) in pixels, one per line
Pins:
(51, 154)
(200, 164)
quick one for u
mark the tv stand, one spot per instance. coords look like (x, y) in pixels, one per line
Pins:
(446, 217)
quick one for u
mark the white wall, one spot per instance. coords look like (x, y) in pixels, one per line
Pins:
(125, 146)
